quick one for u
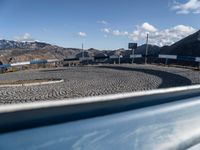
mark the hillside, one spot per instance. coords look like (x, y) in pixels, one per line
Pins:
(152, 50)
(6, 44)
(189, 46)
(14, 51)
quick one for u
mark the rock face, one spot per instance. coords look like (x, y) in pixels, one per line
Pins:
(189, 46)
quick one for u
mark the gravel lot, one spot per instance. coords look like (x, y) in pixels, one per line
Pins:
(93, 81)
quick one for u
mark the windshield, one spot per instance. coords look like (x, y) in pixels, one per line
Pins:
(69, 49)
(122, 64)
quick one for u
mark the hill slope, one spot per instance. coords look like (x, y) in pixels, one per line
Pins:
(189, 46)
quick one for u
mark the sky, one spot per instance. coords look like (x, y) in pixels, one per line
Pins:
(101, 24)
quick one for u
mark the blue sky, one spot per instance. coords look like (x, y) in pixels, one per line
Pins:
(102, 24)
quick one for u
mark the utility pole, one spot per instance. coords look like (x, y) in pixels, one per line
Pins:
(133, 55)
(119, 58)
(147, 46)
(82, 52)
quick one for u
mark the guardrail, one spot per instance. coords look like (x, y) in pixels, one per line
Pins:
(43, 61)
(125, 121)
(13, 116)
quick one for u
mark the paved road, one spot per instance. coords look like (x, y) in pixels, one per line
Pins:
(93, 81)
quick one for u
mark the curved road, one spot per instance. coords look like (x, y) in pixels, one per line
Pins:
(93, 81)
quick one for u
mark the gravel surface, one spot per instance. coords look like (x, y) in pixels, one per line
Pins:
(93, 81)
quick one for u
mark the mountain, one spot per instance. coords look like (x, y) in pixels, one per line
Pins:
(189, 46)
(152, 49)
(6, 44)
(14, 51)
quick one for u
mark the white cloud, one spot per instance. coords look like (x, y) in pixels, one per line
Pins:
(148, 27)
(102, 22)
(105, 30)
(82, 34)
(191, 6)
(119, 33)
(115, 32)
(26, 37)
(157, 37)
(162, 37)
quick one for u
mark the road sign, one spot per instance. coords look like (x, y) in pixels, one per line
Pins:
(136, 56)
(132, 45)
(113, 57)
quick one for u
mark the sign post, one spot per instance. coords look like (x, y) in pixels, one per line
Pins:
(133, 47)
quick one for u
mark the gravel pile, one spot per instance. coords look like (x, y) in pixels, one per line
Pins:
(93, 81)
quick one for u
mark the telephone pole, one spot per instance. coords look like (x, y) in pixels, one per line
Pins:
(133, 53)
(147, 46)
(82, 52)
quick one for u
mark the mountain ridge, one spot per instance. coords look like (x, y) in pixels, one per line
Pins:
(188, 46)
(24, 51)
